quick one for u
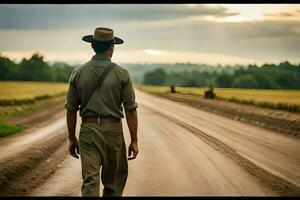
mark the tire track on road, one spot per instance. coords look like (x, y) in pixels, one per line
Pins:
(28, 158)
(26, 170)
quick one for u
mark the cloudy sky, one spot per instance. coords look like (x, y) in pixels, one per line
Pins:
(168, 33)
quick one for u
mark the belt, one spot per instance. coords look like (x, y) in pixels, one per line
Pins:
(99, 120)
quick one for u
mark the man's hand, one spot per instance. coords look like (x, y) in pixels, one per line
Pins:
(132, 122)
(73, 142)
(74, 148)
(133, 150)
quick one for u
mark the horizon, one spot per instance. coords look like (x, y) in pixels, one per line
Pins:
(150, 63)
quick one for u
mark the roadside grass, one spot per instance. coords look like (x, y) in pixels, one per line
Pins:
(21, 98)
(8, 129)
(288, 100)
(8, 112)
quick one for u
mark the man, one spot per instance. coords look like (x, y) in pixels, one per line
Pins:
(101, 142)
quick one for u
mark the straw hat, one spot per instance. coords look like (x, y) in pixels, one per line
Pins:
(102, 34)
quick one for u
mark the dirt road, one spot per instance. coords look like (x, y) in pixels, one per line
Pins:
(275, 153)
(172, 161)
(186, 151)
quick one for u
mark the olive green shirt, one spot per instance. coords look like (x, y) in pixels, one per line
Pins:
(107, 100)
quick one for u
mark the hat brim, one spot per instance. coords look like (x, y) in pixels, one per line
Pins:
(90, 39)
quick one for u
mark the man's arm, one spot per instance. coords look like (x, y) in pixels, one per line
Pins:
(128, 98)
(72, 106)
(73, 142)
(132, 122)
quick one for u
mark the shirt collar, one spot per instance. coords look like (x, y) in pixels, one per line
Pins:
(100, 57)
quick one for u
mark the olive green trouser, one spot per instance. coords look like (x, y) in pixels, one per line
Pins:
(103, 145)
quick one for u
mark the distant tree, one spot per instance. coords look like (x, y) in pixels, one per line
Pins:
(8, 69)
(60, 71)
(245, 81)
(265, 81)
(254, 67)
(289, 80)
(285, 64)
(155, 77)
(224, 80)
(35, 68)
(190, 82)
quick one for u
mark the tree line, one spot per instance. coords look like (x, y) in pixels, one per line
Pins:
(34, 69)
(267, 76)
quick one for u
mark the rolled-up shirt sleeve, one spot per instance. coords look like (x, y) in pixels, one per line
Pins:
(128, 95)
(72, 104)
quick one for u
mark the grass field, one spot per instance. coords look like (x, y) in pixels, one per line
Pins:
(277, 99)
(19, 98)
(16, 93)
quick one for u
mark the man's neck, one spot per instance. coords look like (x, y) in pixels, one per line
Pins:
(104, 54)
(101, 56)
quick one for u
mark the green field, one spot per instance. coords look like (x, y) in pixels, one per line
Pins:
(19, 98)
(278, 99)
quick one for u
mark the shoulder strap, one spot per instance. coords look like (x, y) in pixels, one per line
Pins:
(104, 75)
(101, 79)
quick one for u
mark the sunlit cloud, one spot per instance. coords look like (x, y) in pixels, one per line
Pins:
(255, 12)
(155, 52)
(283, 16)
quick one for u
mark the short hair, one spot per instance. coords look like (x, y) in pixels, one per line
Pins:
(101, 46)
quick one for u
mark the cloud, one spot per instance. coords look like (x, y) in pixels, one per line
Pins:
(80, 16)
(282, 14)
(261, 40)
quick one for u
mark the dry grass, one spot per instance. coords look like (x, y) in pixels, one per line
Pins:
(18, 93)
(278, 99)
